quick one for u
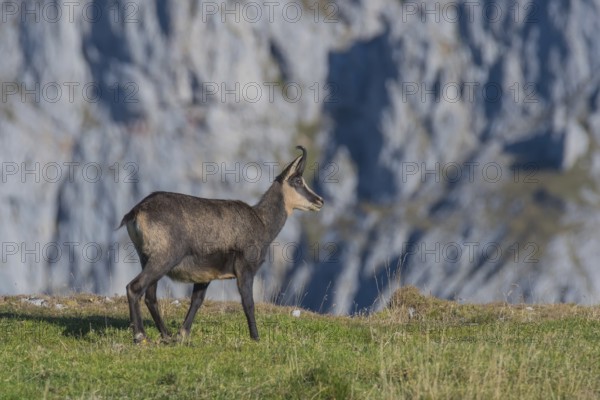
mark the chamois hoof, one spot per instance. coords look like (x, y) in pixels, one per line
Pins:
(167, 340)
(141, 339)
(182, 337)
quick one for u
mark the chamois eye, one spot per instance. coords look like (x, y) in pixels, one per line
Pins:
(296, 181)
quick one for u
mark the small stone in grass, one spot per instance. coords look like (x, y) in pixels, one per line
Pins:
(296, 313)
(35, 301)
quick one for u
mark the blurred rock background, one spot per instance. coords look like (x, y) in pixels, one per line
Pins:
(455, 143)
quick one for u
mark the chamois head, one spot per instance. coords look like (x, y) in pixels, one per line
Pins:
(296, 193)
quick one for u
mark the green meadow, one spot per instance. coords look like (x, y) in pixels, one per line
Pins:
(80, 347)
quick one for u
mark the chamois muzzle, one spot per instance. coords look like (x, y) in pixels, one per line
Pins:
(317, 203)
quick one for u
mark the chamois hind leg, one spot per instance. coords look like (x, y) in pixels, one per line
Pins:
(245, 279)
(198, 294)
(152, 271)
(152, 304)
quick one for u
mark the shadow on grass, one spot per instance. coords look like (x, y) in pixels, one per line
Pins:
(73, 326)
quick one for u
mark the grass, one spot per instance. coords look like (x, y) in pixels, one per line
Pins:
(419, 347)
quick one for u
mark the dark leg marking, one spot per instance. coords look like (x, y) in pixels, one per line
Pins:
(244, 281)
(152, 271)
(152, 304)
(197, 299)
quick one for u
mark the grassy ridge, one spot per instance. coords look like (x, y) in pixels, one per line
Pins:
(421, 347)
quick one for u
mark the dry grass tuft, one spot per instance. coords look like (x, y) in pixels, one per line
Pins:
(409, 304)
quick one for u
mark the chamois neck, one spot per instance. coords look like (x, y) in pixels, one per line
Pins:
(271, 210)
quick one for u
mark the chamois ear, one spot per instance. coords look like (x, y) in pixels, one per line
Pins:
(295, 167)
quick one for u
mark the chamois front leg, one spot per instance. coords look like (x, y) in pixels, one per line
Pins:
(197, 299)
(245, 279)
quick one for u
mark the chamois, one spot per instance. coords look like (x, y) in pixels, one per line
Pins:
(197, 240)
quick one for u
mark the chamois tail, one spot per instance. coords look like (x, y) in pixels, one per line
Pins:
(130, 216)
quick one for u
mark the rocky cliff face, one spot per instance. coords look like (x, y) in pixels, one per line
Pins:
(455, 142)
